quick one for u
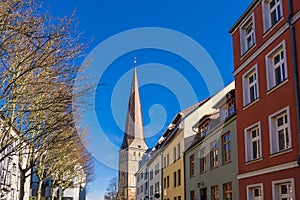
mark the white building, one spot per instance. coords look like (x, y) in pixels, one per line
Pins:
(10, 173)
(142, 179)
(155, 175)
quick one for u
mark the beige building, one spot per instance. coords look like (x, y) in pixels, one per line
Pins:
(177, 138)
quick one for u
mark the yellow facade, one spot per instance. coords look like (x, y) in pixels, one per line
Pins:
(173, 170)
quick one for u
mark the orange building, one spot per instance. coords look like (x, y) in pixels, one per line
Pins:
(266, 43)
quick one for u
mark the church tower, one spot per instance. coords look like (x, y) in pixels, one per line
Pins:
(133, 146)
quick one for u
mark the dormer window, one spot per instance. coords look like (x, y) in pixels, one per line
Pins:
(203, 129)
(228, 109)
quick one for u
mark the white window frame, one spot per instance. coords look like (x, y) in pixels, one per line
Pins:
(244, 35)
(270, 67)
(276, 189)
(249, 140)
(250, 189)
(267, 13)
(247, 85)
(273, 131)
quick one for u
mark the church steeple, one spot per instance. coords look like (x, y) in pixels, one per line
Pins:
(134, 145)
(134, 128)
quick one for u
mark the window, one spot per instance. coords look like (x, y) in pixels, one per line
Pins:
(214, 192)
(202, 161)
(12, 194)
(203, 129)
(250, 86)
(168, 181)
(227, 191)
(224, 113)
(146, 188)
(276, 66)
(156, 169)
(192, 195)
(214, 155)
(156, 187)
(165, 183)
(179, 177)
(168, 160)
(253, 142)
(247, 34)
(284, 189)
(226, 144)
(192, 165)
(174, 178)
(272, 12)
(280, 134)
(254, 192)
(174, 154)
(151, 190)
(228, 109)
(179, 197)
(165, 162)
(151, 174)
(178, 150)
(175, 198)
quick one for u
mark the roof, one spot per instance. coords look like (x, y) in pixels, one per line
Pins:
(241, 18)
(134, 128)
(193, 107)
(173, 127)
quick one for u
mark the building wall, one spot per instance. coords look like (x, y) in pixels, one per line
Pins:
(128, 166)
(270, 166)
(224, 173)
(155, 165)
(142, 183)
(175, 164)
(206, 108)
(10, 176)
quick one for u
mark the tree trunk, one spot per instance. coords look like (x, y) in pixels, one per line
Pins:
(22, 185)
(39, 192)
(60, 192)
(52, 191)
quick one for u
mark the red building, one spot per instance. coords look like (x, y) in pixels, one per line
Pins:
(266, 42)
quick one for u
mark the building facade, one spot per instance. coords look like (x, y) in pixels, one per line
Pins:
(142, 179)
(10, 171)
(266, 47)
(133, 146)
(155, 174)
(178, 138)
(211, 160)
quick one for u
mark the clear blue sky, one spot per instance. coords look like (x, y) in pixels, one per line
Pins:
(207, 22)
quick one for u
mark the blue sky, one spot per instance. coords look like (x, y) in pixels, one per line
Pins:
(206, 22)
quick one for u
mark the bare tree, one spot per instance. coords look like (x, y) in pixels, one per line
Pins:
(112, 189)
(37, 68)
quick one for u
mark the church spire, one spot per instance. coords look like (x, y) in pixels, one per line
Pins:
(134, 129)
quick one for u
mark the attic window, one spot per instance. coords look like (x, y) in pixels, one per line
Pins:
(139, 146)
(203, 129)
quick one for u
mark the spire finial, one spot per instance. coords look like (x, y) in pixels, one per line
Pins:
(134, 61)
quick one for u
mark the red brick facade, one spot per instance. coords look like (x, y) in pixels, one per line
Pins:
(271, 107)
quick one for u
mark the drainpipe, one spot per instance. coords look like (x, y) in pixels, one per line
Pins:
(296, 78)
(184, 173)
